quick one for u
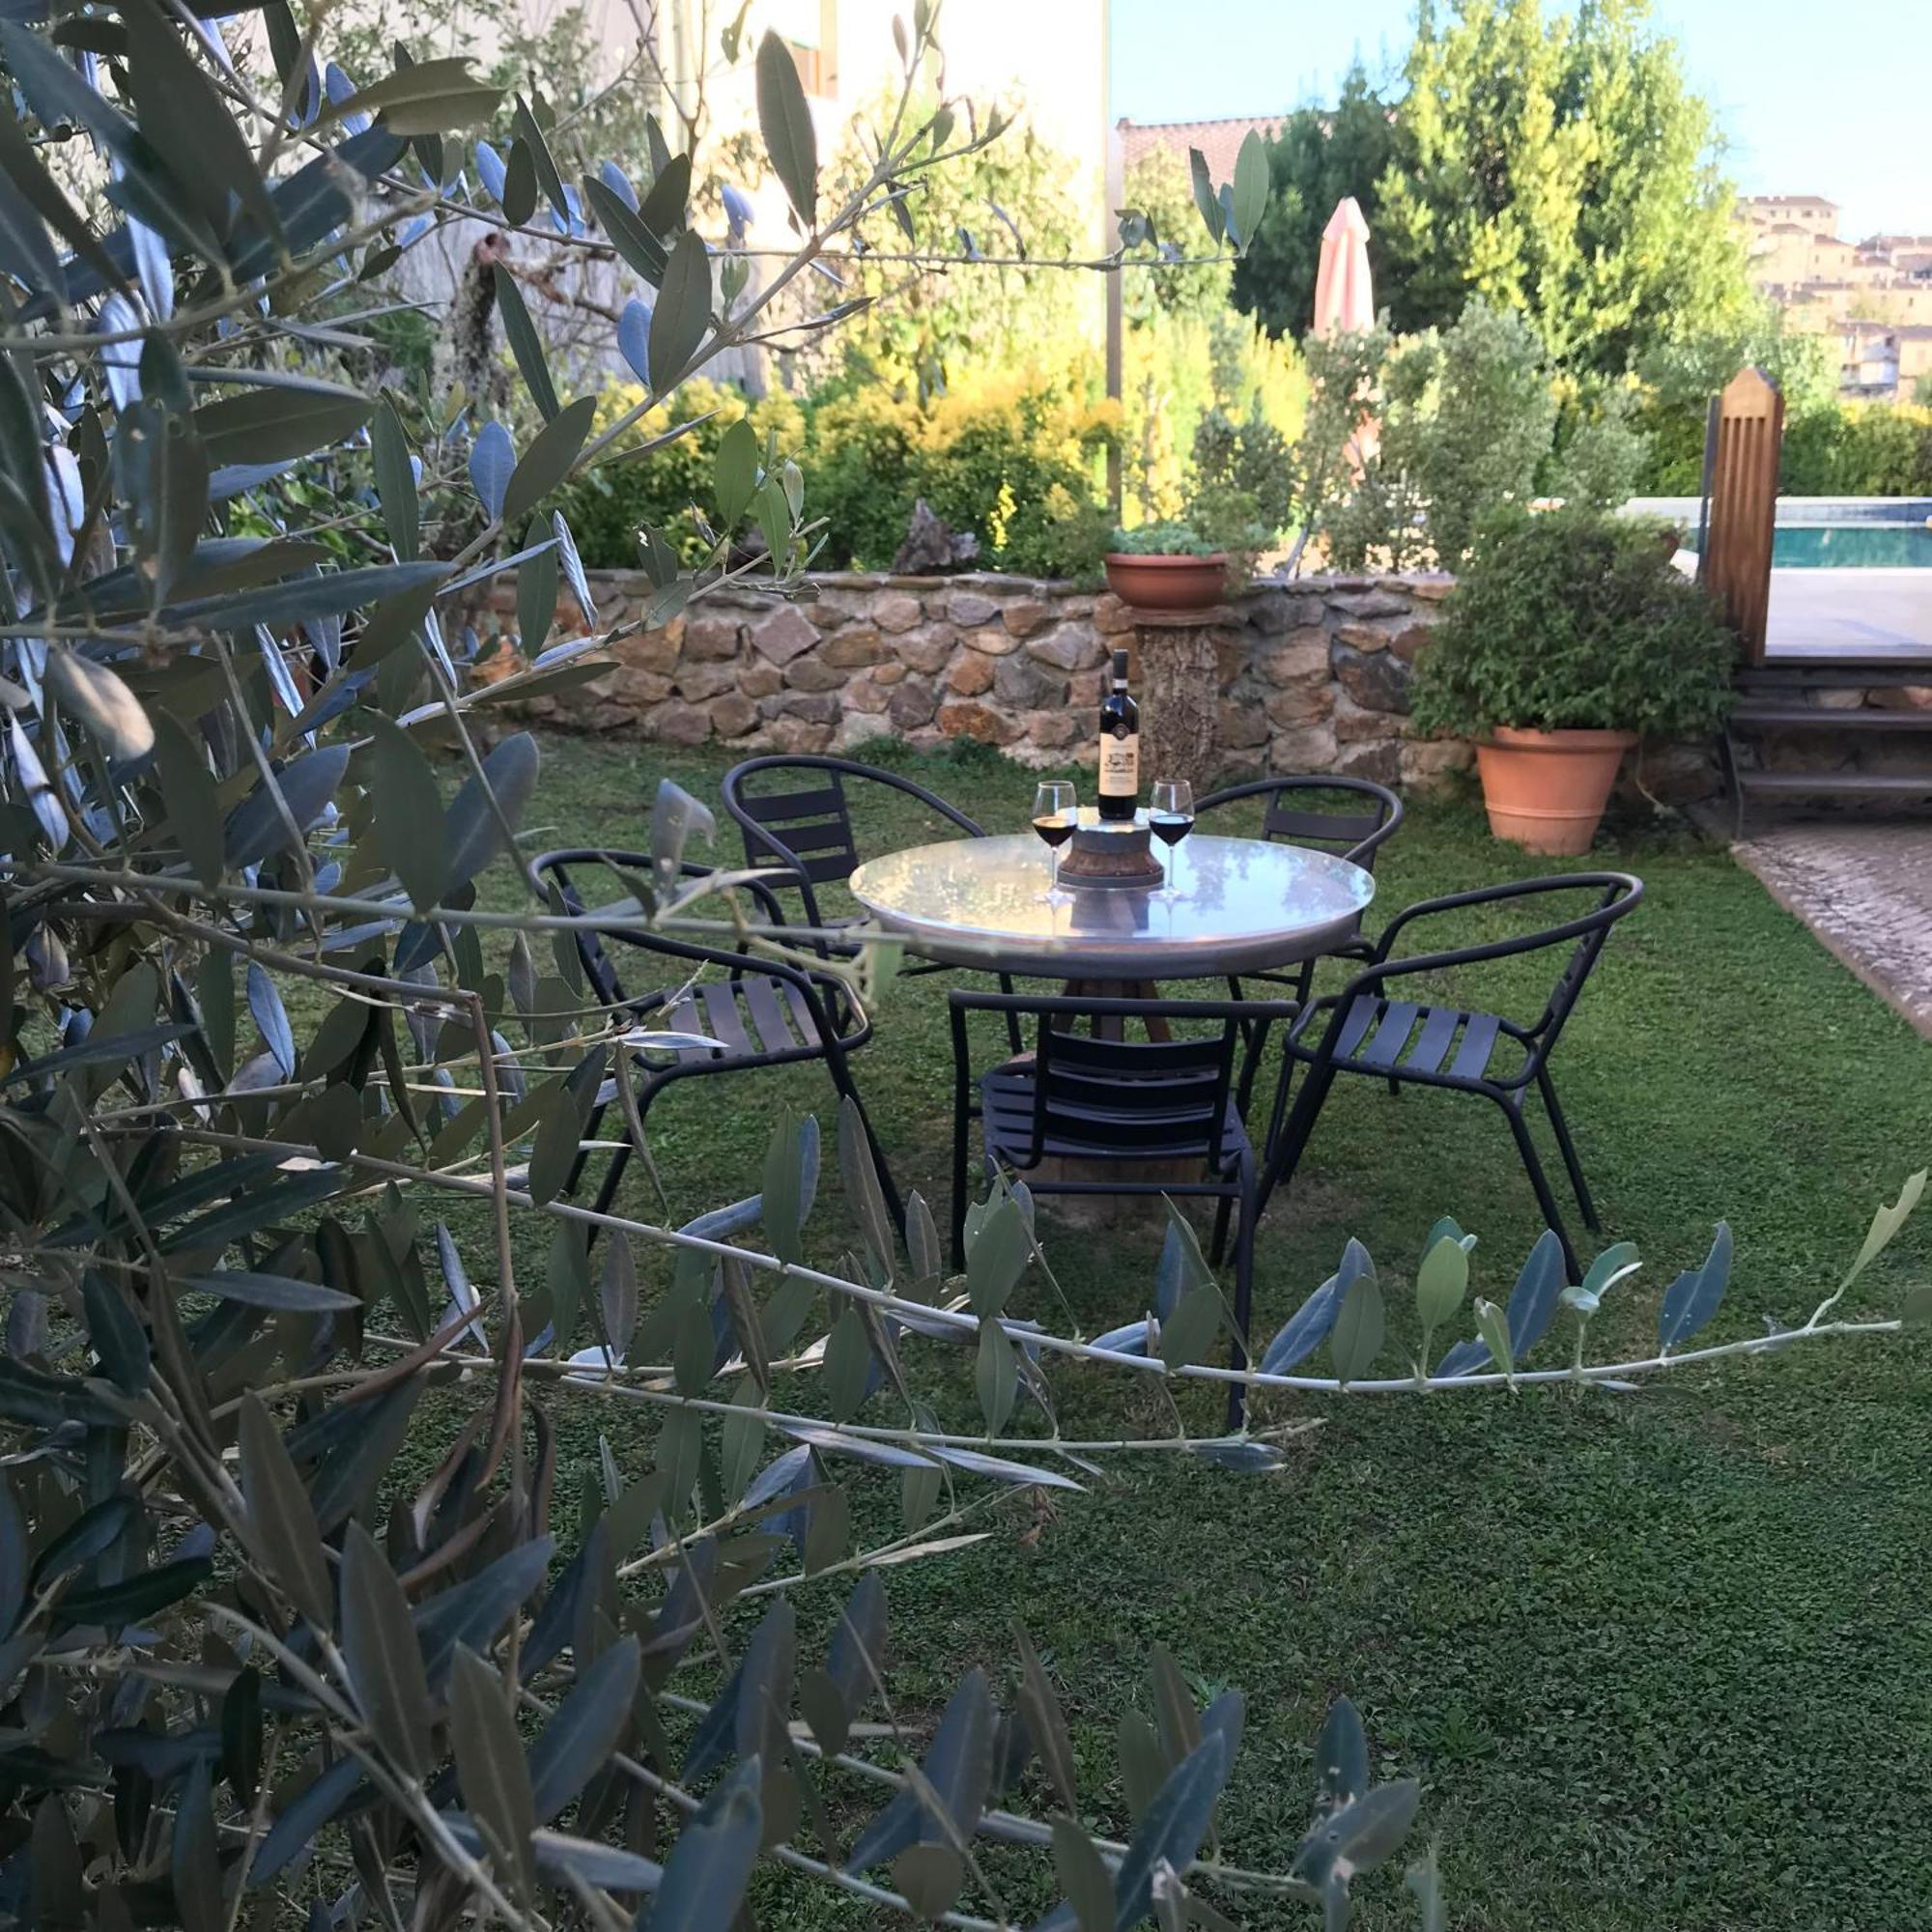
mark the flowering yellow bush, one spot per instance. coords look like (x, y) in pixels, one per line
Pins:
(779, 410)
(1014, 456)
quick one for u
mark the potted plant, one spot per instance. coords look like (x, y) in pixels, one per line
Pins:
(1168, 566)
(1569, 635)
(1238, 506)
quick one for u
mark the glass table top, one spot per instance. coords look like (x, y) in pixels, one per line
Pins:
(1239, 904)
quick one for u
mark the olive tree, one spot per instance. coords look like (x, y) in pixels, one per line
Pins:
(306, 1613)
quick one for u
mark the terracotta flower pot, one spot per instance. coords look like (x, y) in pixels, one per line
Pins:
(1548, 789)
(1167, 583)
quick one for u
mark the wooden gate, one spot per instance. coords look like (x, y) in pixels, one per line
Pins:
(1740, 509)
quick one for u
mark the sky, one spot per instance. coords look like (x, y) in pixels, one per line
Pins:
(1812, 98)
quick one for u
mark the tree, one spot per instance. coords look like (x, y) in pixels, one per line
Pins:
(1188, 353)
(1010, 204)
(297, 1063)
(1680, 377)
(1562, 168)
(1319, 157)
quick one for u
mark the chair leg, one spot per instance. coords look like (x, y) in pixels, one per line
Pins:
(960, 1128)
(1568, 1147)
(1222, 1211)
(1244, 1288)
(1290, 1138)
(847, 1090)
(1014, 1039)
(1250, 1059)
(1546, 1201)
(613, 1175)
(607, 1192)
(584, 1153)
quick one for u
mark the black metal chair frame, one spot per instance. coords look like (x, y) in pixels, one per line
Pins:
(1348, 1046)
(807, 835)
(1353, 837)
(1107, 1099)
(818, 1008)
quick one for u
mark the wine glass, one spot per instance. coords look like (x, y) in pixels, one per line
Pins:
(1056, 812)
(1171, 818)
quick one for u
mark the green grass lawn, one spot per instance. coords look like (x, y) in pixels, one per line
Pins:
(1661, 1659)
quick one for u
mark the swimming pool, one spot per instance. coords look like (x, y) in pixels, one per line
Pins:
(1852, 545)
(1824, 532)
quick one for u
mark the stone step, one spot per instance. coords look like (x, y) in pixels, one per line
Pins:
(1848, 784)
(1823, 717)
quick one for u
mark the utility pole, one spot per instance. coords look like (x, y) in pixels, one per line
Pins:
(1115, 194)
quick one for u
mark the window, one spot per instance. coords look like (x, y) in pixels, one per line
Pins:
(810, 29)
(810, 65)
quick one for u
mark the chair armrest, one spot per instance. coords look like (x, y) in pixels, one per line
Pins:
(1604, 881)
(690, 869)
(1363, 852)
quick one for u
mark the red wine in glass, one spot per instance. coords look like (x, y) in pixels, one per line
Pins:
(1171, 818)
(1056, 813)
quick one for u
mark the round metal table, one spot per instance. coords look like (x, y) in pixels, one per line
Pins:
(1239, 905)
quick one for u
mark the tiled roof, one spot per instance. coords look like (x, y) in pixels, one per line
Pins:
(1219, 141)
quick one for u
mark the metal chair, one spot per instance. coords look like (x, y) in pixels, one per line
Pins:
(1365, 1031)
(804, 827)
(1294, 816)
(761, 1013)
(804, 830)
(1106, 1102)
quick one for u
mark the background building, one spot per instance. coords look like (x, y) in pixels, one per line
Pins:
(1875, 294)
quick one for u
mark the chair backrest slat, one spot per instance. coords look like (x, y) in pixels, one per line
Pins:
(1190, 1095)
(808, 826)
(1121, 1097)
(1570, 982)
(1324, 828)
(1134, 1059)
(1133, 1136)
(1357, 816)
(772, 808)
(812, 826)
(821, 845)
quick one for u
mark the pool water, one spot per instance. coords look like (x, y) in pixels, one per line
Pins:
(1851, 547)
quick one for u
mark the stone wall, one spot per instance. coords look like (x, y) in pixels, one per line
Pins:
(1314, 672)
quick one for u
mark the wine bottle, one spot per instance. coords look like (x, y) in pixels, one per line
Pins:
(1120, 748)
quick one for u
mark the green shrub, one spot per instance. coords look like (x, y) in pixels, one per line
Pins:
(1598, 455)
(607, 507)
(1831, 449)
(863, 465)
(1011, 459)
(1574, 621)
(1465, 419)
(1858, 451)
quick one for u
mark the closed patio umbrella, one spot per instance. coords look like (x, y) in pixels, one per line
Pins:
(1344, 299)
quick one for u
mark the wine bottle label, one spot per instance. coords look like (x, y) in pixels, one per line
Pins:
(1121, 766)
